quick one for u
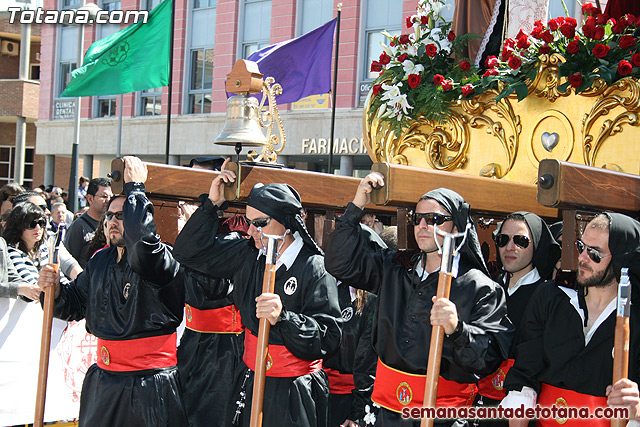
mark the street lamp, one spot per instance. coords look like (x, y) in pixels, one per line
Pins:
(92, 9)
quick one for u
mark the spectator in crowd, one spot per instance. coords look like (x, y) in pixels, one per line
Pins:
(7, 193)
(82, 229)
(99, 240)
(60, 215)
(83, 185)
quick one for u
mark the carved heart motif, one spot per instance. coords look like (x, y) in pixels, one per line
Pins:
(550, 140)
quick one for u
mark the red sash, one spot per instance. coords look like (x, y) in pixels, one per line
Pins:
(223, 320)
(394, 390)
(339, 383)
(138, 354)
(280, 361)
(550, 395)
(492, 386)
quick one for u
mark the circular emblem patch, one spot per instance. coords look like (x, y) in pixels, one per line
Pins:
(404, 394)
(561, 403)
(125, 291)
(290, 286)
(347, 314)
(188, 313)
(269, 361)
(498, 379)
(104, 355)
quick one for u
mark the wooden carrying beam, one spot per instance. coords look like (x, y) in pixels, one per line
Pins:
(404, 185)
(572, 186)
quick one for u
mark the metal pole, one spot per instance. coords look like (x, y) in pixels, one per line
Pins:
(21, 122)
(119, 145)
(168, 144)
(334, 92)
(75, 154)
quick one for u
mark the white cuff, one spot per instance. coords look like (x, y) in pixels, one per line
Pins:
(527, 397)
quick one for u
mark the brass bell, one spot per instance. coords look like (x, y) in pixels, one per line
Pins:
(242, 125)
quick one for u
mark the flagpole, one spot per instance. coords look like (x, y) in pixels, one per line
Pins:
(335, 86)
(119, 144)
(168, 143)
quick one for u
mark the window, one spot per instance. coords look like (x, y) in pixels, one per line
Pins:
(314, 14)
(201, 81)
(106, 106)
(201, 56)
(149, 4)
(65, 74)
(379, 15)
(70, 4)
(150, 102)
(7, 164)
(256, 26)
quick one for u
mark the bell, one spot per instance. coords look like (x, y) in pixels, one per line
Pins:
(243, 125)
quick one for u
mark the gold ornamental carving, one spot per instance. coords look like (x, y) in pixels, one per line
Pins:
(508, 139)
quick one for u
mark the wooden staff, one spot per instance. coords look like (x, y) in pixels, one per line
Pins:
(259, 378)
(437, 332)
(47, 319)
(621, 340)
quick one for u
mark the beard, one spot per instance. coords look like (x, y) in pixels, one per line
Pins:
(600, 280)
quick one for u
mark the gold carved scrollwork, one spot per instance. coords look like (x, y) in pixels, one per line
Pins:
(509, 140)
(625, 93)
(547, 81)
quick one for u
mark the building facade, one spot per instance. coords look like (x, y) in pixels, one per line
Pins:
(210, 35)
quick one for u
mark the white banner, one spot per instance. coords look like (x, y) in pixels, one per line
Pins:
(72, 352)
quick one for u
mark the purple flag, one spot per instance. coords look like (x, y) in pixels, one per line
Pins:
(301, 65)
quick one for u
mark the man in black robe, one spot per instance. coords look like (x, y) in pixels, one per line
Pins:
(478, 332)
(303, 311)
(564, 349)
(132, 297)
(527, 253)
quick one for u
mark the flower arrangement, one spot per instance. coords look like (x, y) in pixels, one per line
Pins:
(419, 76)
(603, 48)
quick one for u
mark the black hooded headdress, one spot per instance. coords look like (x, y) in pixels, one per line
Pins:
(455, 205)
(546, 251)
(624, 244)
(282, 203)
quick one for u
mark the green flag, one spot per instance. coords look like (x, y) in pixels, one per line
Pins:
(135, 58)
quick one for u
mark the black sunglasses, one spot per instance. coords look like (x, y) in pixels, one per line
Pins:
(41, 222)
(593, 253)
(519, 240)
(119, 215)
(430, 218)
(260, 222)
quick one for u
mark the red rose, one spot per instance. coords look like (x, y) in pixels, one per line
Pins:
(624, 68)
(464, 65)
(414, 80)
(376, 89)
(638, 21)
(627, 41)
(568, 31)
(404, 39)
(523, 43)
(409, 22)
(376, 66)
(547, 36)
(521, 34)
(575, 80)
(467, 90)
(635, 59)
(570, 22)
(515, 62)
(451, 36)
(490, 72)
(446, 85)
(424, 20)
(618, 28)
(431, 50)
(538, 24)
(403, 57)
(560, 20)
(510, 42)
(544, 49)
(600, 50)
(599, 34)
(491, 62)
(384, 58)
(438, 79)
(536, 32)
(602, 19)
(589, 30)
(507, 52)
(573, 47)
(392, 43)
(553, 25)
